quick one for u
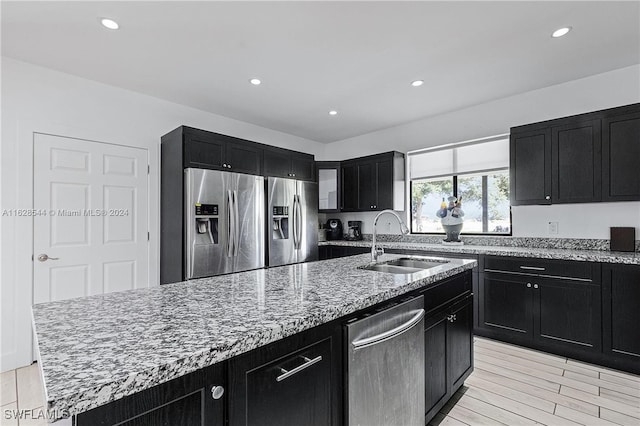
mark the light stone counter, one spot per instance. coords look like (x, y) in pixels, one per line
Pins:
(97, 349)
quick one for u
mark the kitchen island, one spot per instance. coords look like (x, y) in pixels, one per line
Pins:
(99, 349)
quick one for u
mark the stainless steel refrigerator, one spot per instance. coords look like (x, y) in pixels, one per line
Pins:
(224, 222)
(292, 223)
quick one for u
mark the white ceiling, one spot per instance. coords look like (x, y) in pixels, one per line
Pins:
(356, 57)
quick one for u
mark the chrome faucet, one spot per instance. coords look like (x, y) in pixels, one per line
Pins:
(378, 251)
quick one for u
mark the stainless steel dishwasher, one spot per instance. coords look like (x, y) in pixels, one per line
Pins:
(385, 366)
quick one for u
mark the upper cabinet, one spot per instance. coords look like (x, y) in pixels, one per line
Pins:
(328, 176)
(372, 183)
(210, 150)
(584, 158)
(621, 156)
(280, 162)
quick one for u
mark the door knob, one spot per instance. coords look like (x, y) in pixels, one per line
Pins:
(43, 258)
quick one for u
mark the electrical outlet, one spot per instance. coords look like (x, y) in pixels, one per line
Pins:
(553, 228)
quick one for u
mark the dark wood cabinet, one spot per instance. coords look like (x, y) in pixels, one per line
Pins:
(448, 340)
(195, 399)
(208, 150)
(589, 157)
(575, 162)
(295, 381)
(530, 166)
(621, 316)
(553, 305)
(349, 190)
(332, 252)
(448, 353)
(506, 305)
(373, 183)
(280, 162)
(621, 156)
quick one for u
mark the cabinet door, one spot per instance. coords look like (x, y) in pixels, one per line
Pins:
(506, 306)
(567, 314)
(294, 381)
(203, 152)
(277, 162)
(384, 184)
(244, 157)
(303, 398)
(349, 186)
(367, 186)
(620, 158)
(435, 351)
(576, 161)
(621, 316)
(460, 343)
(184, 401)
(530, 167)
(302, 166)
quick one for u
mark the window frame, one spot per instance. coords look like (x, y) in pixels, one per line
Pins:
(454, 177)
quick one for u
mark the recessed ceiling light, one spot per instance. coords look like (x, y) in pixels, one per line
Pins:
(255, 81)
(333, 112)
(417, 83)
(560, 32)
(109, 23)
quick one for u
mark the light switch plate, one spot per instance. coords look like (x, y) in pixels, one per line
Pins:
(553, 228)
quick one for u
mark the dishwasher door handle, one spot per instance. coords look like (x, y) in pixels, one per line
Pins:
(389, 334)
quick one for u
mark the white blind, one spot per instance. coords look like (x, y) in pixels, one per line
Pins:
(460, 159)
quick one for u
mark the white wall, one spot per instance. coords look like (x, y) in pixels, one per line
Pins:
(40, 99)
(611, 89)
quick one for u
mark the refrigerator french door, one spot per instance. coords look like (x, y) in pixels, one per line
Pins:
(292, 223)
(224, 222)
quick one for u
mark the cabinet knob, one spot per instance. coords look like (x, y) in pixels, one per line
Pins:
(451, 318)
(224, 165)
(217, 392)
(229, 165)
(528, 285)
(293, 174)
(535, 286)
(548, 197)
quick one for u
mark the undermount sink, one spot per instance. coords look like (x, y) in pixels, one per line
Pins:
(405, 265)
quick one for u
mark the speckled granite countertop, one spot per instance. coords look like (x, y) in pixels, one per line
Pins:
(98, 349)
(540, 253)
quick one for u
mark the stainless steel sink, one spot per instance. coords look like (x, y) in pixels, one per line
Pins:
(405, 265)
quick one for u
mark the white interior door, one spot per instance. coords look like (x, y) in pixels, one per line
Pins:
(90, 224)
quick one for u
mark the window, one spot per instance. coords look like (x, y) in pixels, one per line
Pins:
(476, 172)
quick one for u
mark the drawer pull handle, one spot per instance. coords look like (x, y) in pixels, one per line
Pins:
(288, 373)
(532, 268)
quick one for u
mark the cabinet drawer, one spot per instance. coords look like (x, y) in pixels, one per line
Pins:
(542, 267)
(446, 291)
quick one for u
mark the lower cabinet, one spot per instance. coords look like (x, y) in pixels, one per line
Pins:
(621, 315)
(332, 252)
(551, 312)
(194, 399)
(295, 381)
(448, 353)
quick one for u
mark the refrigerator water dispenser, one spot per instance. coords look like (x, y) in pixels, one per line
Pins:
(280, 229)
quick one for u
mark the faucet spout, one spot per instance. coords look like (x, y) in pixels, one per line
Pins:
(377, 251)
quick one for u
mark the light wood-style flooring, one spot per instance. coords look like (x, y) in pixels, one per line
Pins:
(510, 385)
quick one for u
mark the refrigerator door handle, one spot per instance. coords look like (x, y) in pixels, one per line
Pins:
(231, 227)
(236, 225)
(294, 224)
(299, 226)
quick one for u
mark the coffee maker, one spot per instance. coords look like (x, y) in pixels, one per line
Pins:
(333, 228)
(355, 230)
